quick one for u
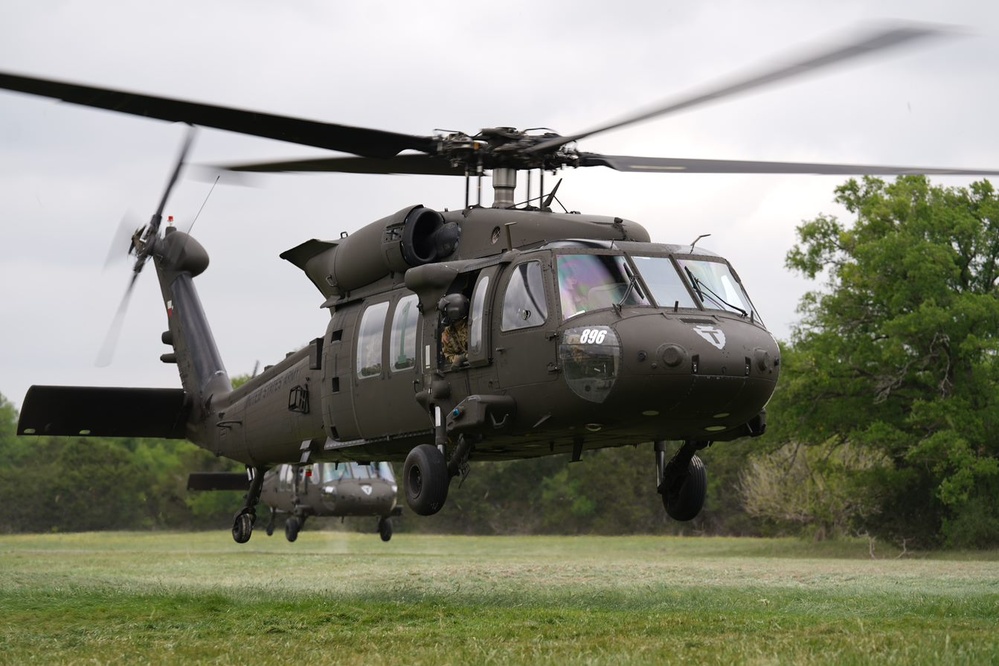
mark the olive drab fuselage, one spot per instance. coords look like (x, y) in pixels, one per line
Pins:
(653, 357)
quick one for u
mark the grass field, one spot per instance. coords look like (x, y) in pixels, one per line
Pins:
(346, 598)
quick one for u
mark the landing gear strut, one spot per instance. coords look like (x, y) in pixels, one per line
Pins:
(683, 481)
(242, 524)
(270, 523)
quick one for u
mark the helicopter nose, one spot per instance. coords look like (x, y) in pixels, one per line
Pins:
(689, 375)
(359, 497)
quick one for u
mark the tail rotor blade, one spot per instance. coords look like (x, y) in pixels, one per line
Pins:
(111, 339)
(181, 160)
(121, 245)
(143, 242)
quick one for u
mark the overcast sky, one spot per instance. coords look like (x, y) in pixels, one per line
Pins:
(69, 174)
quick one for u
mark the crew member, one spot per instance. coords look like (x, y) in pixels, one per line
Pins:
(454, 337)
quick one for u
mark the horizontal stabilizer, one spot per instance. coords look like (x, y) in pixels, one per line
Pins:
(104, 412)
(300, 254)
(217, 481)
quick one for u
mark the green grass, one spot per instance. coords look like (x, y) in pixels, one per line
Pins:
(345, 598)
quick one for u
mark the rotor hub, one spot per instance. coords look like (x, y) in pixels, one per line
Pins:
(505, 148)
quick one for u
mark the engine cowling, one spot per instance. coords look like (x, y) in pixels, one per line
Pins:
(414, 236)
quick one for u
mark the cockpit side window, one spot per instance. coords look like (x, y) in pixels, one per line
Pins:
(595, 281)
(286, 478)
(476, 317)
(524, 303)
(385, 472)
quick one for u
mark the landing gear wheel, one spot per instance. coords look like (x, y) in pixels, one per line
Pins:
(242, 527)
(385, 528)
(242, 523)
(291, 528)
(426, 477)
(686, 501)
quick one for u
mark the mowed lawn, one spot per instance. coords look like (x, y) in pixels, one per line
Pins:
(344, 598)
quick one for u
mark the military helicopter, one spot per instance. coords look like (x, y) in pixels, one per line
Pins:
(574, 331)
(319, 489)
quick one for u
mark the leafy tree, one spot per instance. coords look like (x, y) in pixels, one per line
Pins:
(898, 354)
(609, 491)
(94, 485)
(8, 421)
(73, 484)
(495, 498)
(809, 488)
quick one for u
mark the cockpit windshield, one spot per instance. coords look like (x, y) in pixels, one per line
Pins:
(664, 282)
(328, 472)
(595, 281)
(716, 286)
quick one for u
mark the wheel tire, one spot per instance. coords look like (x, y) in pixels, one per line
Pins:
(686, 502)
(385, 529)
(242, 527)
(291, 527)
(426, 478)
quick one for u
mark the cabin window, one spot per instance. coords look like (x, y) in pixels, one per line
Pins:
(524, 303)
(664, 282)
(369, 341)
(595, 281)
(476, 316)
(402, 341)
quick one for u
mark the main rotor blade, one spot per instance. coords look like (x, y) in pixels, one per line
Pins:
(865, 46)
(692, 165)
(356, 140)
(400, 164)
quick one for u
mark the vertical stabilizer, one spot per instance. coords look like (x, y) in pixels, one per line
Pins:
(180, 258)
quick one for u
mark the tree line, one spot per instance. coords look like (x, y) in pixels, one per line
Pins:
(883, 424)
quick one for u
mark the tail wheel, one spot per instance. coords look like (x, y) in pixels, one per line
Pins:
(686, 501)
(426, 478)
